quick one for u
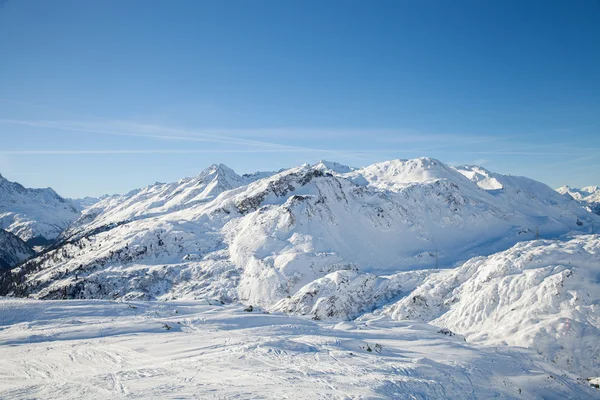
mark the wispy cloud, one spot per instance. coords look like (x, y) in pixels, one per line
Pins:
(144, 151)
(231, 142)
(529, 153)
(156, 132)
(195, 151)
(143, 131)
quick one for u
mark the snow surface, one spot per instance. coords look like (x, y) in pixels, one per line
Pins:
(193, 349)
(540, 294)
(34, 213)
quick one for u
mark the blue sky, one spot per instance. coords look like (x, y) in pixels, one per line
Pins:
(106, 96)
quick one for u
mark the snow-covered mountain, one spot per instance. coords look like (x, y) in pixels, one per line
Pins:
(37, 216)
(588, 193)
(589, 196)
(403, 239)
(159, 199)
(542, 294)
(539, 294)
(86, 202)
(260, 240)
(12, 250)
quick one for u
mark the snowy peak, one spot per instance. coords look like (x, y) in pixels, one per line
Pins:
(218, 170)
(209, 183)
(588, 194)
(397, 174)
(333, 167)
(34, 215)
(481, 176)
(158, 199)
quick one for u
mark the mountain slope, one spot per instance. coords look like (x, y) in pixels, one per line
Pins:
(12, 250)
(159, 199)
(539, 294)
(37, 216)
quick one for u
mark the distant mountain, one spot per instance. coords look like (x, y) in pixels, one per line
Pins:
(86, 202)
(12, 250)
(159, 199)
(588, 193)
(589, 196)
(37, 216)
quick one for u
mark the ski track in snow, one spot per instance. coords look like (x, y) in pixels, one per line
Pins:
(108, 350)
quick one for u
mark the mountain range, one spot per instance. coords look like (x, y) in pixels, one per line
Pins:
(589, 196)
(36, 216)
(497, 258)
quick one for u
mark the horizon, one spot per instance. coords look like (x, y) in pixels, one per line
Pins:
(105, 97)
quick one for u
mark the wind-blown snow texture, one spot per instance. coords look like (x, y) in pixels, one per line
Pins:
(540, 294)
(37, 216)
(109, 350)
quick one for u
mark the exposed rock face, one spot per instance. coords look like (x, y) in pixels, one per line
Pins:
(12, 250)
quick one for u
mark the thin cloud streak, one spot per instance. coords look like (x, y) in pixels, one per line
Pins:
(197, 138)
(142, 131)
(192, 136)
(190, 151)
(133, 129)
(526, 153)
(76, 152)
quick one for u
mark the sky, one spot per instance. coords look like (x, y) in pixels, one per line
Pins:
(104, 96)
